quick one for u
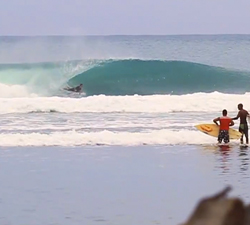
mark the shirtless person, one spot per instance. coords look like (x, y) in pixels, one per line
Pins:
(243, 128)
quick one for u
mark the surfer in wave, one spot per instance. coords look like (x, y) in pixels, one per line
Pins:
(243, 128)
(225, 123)
(75, 89)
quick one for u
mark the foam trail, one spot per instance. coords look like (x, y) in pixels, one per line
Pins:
(73, 138)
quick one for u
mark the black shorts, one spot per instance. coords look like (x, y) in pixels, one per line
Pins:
(223, 135)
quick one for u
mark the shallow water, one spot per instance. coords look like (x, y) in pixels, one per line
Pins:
(115, 185)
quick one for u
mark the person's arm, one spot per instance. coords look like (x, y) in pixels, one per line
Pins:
(248, 115)
(216, 120)
(237, 117)
(231, 123)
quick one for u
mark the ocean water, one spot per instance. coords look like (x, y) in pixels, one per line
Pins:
(125, 151)
(137, 89)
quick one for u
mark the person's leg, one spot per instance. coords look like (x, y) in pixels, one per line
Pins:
(226, 136)
(242, 133)
(246, 133)
(220, 136)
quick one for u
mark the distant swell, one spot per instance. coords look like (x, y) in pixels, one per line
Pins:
(124, 77)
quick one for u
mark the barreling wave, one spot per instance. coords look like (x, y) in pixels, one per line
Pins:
(127, 77)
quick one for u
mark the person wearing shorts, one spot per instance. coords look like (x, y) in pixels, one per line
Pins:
(243, 128)
(225, 123)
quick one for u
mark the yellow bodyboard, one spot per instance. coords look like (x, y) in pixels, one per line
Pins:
(213, 130)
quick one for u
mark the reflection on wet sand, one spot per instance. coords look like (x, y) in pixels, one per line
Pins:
(227, 157)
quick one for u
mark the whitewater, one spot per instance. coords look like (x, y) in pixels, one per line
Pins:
(138, 90)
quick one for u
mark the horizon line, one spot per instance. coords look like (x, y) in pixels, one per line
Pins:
(109, 35)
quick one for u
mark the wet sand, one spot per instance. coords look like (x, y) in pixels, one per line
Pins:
(114, 185)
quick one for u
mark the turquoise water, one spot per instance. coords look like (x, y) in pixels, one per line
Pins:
(129, 77)
(127, 65)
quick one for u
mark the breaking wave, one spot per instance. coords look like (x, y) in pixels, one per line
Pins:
(120, 77)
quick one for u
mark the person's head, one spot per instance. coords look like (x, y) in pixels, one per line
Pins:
(240, 106)
(80, 85)
(224, 112)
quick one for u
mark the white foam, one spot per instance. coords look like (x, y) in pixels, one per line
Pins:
(13, 91)
(73, 138)
(199, 102)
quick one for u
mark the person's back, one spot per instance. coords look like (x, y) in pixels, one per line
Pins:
(225, 123)
(78, 88)
(243, 116)
(75, 89)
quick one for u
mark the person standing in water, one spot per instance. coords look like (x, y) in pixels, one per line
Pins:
(243, 128)
(225, 123)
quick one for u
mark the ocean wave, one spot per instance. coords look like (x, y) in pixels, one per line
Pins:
(125, 77)
(128, 77)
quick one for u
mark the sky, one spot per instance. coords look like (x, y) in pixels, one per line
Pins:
(124, 17)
